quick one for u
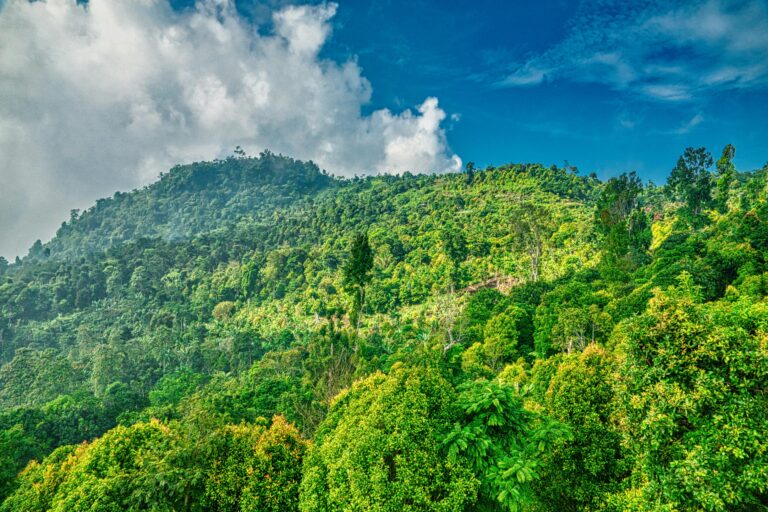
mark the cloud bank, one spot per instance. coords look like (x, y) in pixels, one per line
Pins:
(100, 97)
(658, 50)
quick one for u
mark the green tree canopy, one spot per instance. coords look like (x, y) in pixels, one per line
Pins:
(357, 271)
(691, 181)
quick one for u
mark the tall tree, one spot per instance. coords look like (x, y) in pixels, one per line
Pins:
(469, 171)
(621, 221)
(691, 180)
(455, 247)
(726, 174)
(533, 225)
(357, 271)
(578, 474)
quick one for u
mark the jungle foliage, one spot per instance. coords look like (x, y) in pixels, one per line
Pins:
(255, 334)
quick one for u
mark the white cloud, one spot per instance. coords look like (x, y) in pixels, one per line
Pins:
(105, 96)
(689, 125)
(528, 74)
(663, 51)
(305, 28)
(686, 126)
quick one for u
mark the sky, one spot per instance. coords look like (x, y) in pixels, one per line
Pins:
(103, 96)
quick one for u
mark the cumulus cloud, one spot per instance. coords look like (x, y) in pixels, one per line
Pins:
(104, 96)
(659, 50)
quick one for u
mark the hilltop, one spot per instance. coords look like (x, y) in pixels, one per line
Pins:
(191, 200)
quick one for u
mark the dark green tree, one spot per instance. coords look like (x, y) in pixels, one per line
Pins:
(455, 247)
(357, 272)
(578, 474)
(726, 174)
(623, 224)
(501, 442)
(691, 181)
(469, 171)
(36, 250)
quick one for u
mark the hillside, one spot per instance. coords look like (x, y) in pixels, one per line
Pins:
(254, 334)
(190, 200)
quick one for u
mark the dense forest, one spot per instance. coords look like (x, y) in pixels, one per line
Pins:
(256, 334)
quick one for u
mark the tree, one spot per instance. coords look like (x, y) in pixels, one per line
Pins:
(580, 473)
(36, 250)
(40, 481)
(693, 392)
(255, 468)
(480, 307)
(622, 223)
(126, 466)
(250, 279)
(357, 273)
(726, 174)
(570, 317)
(502, 442)
(175, 386)
(691, 180)
(449, 319)
(578, 326)
(157, 466)
(455, 247)
(16, 448)
(502, 334)
(532, 225)
(379, 449)
(469, 171)
(36, 376)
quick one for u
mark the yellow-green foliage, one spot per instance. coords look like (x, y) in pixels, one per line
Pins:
(255, 469)
(693, 397)
(379, 449)
(158, 467)
(581, 472)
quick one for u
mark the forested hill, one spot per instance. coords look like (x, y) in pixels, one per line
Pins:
(189, 200)
(253, 334)
(195, 199)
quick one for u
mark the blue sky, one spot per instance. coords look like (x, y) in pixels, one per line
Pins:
(462, 52)
(104, 95)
